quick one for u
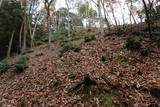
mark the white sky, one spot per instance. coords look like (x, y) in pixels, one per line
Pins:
(61, 3)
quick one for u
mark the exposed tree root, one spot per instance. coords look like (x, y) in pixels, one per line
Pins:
(83, 86)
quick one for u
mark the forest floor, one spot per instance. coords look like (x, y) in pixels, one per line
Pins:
(50, 78)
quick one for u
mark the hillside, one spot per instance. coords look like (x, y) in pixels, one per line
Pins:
(51, 77)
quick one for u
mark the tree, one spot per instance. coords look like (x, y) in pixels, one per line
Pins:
(87, 12)
(110, 4)
(48, 4)
(11, 18)
(131, 9)
(1, 2)
(68, 17)
(141, 15)
(105, 13)
(147, 13)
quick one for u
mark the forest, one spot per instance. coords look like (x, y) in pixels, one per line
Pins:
(79, 53)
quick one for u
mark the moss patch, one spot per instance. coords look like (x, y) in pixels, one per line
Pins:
(21, 64)
(4, 65)
(88, 38)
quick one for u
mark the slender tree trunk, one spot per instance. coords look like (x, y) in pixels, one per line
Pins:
(24, 39)
(47, 4)
(25, 34)
(49, 27)
(114, 16)
(1, 2)
(87, 19)
(10, 44)
(49, 30)
(58, 21)
(100, 16)
(122, 15)
(130, 13)
(33, 35)
(130, 17)
(69, 26)
(20, 36)
(106, 19)
(30, 27)
(148, 18)
(34, 31)
(133, 18)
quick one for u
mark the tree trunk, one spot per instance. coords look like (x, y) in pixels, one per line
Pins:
(133, 18)
(47, 4)
(20, 36)
(69, 28)
(10, 44)
(100, 16)
(49, 31)
(122, 15)
(148, 18)
(25, 34)
(106, 20)
(114, 16)
(1, 2)
(49, 27)
(131, 15)
(34, 31)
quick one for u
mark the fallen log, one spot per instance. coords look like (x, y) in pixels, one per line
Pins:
(87, 81)
(108, 81)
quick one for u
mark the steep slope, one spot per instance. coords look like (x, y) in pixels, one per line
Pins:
(50, 77)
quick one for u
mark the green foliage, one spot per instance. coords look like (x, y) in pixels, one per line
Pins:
(63, 31)
(61, 35)
(70, 46)
(89, 37)
(62, 11)
(38, 42)
(62, 14)
(82, 11)
(123, 59)
(108, 99)
(4, 65)
(72, 75)
(58, 36)
(11, 17)
(21, 64)
(133, 44)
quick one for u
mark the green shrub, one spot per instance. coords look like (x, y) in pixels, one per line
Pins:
(63, 31)
(38, 42)
(64, 42)
(4, 65)
(133, 44)
(59, 37)
(21, 64)
(69, 46)
(89, 37)
(107, 99)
